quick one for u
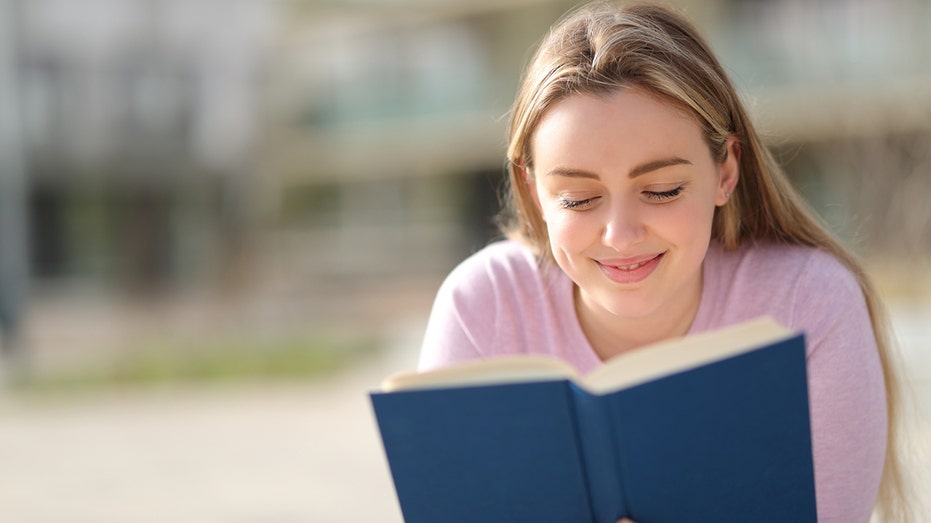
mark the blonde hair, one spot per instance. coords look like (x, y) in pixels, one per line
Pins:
(601, 48)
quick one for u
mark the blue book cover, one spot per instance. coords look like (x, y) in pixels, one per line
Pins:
(675, 435)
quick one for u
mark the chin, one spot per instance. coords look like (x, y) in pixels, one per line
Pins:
(629, 307)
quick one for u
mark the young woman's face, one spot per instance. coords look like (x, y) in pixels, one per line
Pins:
(627, 187)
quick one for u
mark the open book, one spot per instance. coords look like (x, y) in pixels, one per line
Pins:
(711, 427)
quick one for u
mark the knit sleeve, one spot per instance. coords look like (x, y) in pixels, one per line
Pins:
(846, 391)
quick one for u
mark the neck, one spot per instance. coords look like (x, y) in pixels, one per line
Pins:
(611, 335)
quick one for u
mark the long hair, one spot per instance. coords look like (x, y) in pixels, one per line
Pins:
(602, 47)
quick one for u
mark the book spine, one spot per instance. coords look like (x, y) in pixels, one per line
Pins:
(598, 443)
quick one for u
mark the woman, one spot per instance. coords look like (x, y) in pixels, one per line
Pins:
(643, 206)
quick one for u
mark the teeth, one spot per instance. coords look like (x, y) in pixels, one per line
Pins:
(632, 267)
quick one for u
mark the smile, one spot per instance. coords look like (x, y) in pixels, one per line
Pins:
(631, 270)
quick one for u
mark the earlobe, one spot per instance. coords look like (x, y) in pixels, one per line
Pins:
(728, 171)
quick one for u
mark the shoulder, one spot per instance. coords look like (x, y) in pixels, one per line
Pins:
(503, 253)
(812, 273)
(782, 265)
(498, 300)
(500, 265)
(798, 285)
(491, 281)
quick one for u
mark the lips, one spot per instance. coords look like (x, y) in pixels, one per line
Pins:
(630, 270)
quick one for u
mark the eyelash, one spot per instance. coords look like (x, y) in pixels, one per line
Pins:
(566, 203)
(664, 195)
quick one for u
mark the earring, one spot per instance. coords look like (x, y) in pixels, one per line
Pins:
(727, 194)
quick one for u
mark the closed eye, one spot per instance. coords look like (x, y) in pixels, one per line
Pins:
(662, 196)
(578, 205)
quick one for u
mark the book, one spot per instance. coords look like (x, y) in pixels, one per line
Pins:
(711, 427)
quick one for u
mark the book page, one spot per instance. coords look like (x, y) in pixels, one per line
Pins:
(505, 369)
(680, 354)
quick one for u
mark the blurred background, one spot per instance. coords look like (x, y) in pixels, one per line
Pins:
(223, 221)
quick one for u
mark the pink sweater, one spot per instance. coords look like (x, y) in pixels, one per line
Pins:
(501, 300)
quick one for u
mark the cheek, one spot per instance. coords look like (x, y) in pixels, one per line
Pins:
(689, 224)
(571, 232)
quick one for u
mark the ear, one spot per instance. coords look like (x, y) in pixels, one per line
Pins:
(728, 171)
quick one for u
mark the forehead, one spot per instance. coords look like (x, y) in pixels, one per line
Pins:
(626, 125)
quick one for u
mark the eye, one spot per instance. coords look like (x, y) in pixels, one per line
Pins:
(576, 205)
(662, 196)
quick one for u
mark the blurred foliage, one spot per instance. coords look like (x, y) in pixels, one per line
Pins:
(223, 360)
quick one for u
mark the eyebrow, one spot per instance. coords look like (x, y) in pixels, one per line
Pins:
(639, 170)
(657, 165)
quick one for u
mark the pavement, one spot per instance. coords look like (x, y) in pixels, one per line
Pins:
(246, 453)
(254, 453)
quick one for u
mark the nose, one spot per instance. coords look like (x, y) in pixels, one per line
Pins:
(624, 226)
